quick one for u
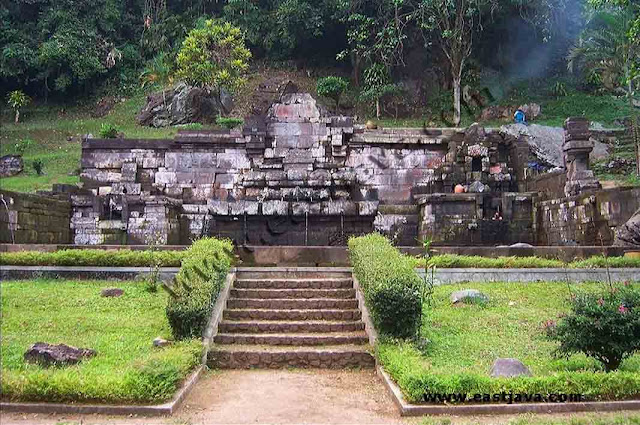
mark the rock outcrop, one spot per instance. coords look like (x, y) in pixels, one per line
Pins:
(546, 143)
(628, 234)
(183, 104)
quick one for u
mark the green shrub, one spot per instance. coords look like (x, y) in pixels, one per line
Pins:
(390, 284)
(600, 261)
(24, 145)
(94, 257)
(38, 167)
(196, 287)
(109, 131)
(448, 261)
(605, 326)
(229, 122)
(332, 87)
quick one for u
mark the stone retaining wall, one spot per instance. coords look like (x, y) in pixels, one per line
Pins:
(587, 219)
(34, 219)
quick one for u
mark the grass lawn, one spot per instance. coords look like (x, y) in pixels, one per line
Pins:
(50, 127)
(460, 343)
(127, 368)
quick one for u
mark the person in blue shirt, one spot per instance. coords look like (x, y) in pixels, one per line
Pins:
(519, 117)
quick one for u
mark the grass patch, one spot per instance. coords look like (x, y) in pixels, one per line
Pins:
(126, 369)
(463, 342)
(55, 131)
(531, 419)
(449, 261)
(94, 257)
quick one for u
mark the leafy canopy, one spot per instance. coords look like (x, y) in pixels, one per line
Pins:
(214, 56)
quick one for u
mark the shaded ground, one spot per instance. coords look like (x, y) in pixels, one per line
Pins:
(294, 396)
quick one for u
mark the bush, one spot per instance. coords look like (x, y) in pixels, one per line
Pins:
(38, 167)
(229, 122)
(391, 286)
(109, 131)
(332, 87)
(605, 326)
(94, 257)
(196, 287)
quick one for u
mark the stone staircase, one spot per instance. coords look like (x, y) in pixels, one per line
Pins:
(291, 317)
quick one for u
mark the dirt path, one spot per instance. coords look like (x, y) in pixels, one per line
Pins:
(289, 397)
(264, 396)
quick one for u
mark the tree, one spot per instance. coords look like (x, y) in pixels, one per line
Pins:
(332, 87)
(376, 32)
(214, 56)
(377, 85)
(453, 23)
(17, 100)
(629, 55)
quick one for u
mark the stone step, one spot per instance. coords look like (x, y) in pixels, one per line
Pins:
(257, 326)
(291, 273)
(292, 293)
(292, 303)
(308, 314)
(297, 283)
(331, 338)
(276, 357)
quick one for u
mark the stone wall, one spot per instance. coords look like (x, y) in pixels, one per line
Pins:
(294, 176)
(586, 219)
(34, 219)
(477, 219)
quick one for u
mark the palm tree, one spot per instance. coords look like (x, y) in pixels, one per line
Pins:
(159, 72)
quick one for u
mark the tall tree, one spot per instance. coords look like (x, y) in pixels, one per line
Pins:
(453, 24)
(630, 57)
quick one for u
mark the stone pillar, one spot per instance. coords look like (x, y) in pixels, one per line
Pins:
(577, 147)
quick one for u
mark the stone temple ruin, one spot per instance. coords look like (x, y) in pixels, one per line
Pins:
(299, 176)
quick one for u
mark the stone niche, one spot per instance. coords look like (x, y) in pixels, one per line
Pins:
(476, 218)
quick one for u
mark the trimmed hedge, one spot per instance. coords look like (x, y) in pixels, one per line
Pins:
(197, 285)
(94, 257)
(390, 284)
(449, 261)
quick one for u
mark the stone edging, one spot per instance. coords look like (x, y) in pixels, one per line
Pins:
(144, 410)
(407, 409)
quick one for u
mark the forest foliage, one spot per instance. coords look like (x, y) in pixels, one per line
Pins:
(73, 48)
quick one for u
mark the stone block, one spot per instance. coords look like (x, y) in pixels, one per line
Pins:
(126, 188)
(298, 156)
(275, 208)
(225, 181)
(230, 161)
(166, 177)
(338, 208)
(241, 207)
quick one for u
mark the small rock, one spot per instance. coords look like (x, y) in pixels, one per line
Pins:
(468, 295)
(10, 165)
(531, 110)
(160, 342)
(112, 292)
(521, 245)
(512, 303)
(370, 125)
(509, 368)
(56, 355)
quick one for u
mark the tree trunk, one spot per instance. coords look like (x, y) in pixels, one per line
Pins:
(17, 116)
(456, 100)
(378, 108)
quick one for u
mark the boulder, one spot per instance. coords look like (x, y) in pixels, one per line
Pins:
(112, 292)
(56, 355)
(531, 110)
(509, 368)
(628, 235)
(495, 112)
(182, 104)
(468, 296)
(10, 165)
(546, 143)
